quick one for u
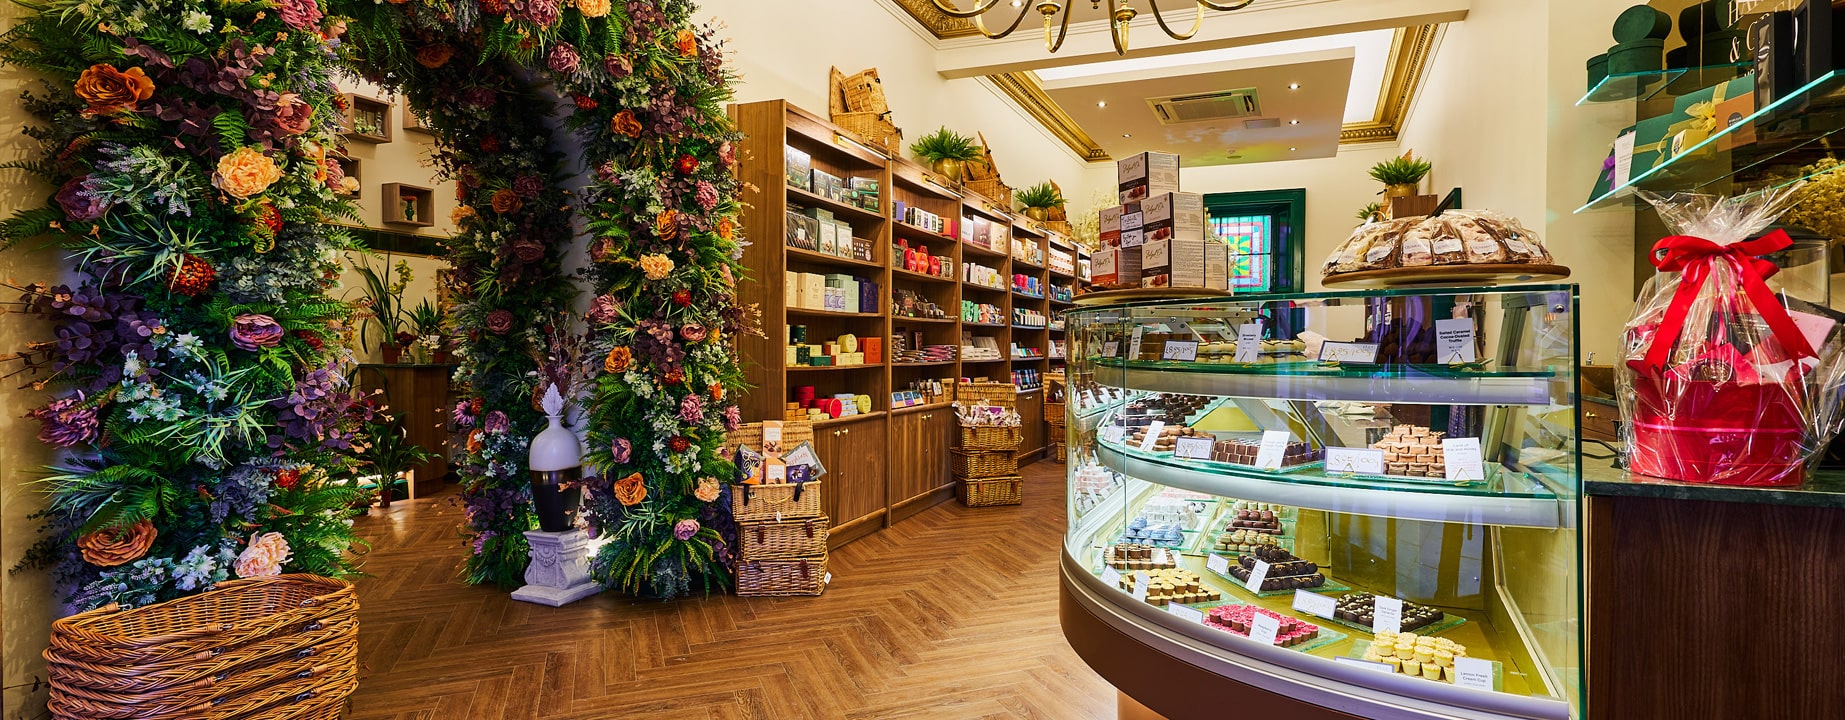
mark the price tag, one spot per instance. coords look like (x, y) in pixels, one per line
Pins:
(1454, 341)
(1134, 342)
(1315, 604)
(1194, 448)
(1111, 576)
(828, 579)
(1153, 435)
(1248, 342)
(1623, 158)
(1354, 460)
(1140, 586)
(1273, 449)
(1218, 564)
(1263, 628)
(1257, 574)
(1182, 612)
(1387, 615)
(1462, 459)
(1114, 434)
(1350, 353)
(1368, 665)
(1473, 673)
(1183, 350)
(1111, 348)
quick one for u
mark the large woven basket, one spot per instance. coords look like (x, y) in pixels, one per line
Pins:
(782, 540)
(992, 393)
(775, 503)
(794, 432)
(989, 438)
(991, 491)
(991, 189)
(800, 576)
(872, 128)
(1061, 451)
(983, 464)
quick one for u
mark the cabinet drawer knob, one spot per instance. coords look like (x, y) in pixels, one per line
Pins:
(847, 431)
(1591, 415)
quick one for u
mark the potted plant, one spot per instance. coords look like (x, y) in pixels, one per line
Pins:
(384, 296)
(1373, 211)
(427, 321)
(1401, 175)
(390, 456)
(947, 151)
(1039, 199)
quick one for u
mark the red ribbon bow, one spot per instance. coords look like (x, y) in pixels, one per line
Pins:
(1693, 256)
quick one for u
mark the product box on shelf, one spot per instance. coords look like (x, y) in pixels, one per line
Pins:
(1133, 225)
(1109, 226)
(865, 193)
(1147, 174)
(803, 232)
(1185, 264)
(828, 185)
(1173, 216)
(1106, 268)
(798, 166)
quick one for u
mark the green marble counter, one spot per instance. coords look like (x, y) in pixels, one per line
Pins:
(1825, 488)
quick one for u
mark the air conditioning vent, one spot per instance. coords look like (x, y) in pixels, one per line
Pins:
(1201, 107)
(1262, 124)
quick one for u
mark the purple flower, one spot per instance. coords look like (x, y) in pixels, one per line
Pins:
(733, 418)
(79, 203)
(479, 97)
(529, 186)
(300, 14)
(66, 424)
(500, 322)
(621, 451)
(706, 195)
(528, 250)
(604, 310)
(464, 418)
(563, 58)
(482, 538)
(541, 12)
(252, 332)
(685, 529)
(497, 422)
(608, 173)
(727, 154)
(617, 65)
(693, 333)
(692, 410)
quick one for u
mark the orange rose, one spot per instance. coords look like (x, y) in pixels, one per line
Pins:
(461, 214)
(246, 172)
(656, 266)
(727, 229)
(108, 90)
(666, 224)
(630, 490)
(474, 441)
(506, 201)
(432, 56)
(625, 124)
(707, 490)
(593, 8)
(618, 360)
(109, 548)
(687, 42)
(717, 392)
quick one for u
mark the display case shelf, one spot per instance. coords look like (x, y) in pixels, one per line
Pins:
(1628, 87)
(1418, 384)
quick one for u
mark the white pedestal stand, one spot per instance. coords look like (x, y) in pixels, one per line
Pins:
(559, 572)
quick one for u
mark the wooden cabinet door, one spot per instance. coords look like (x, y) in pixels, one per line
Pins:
(854, 456)
(908, 464)
(826, 445)
(1031, 414)
(938, 439)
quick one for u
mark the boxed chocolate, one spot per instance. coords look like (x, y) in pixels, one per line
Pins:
(1185, 264)
(1109, 225)
(802, 231)
(828, 185)
(1133, 230)
(1105, 269)
(865, 193)
(1147, 174)
(1173, 216)
(798, 166)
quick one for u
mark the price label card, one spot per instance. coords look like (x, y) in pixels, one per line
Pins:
(1354, 460)
(1153, 435)
(1454, 341)
(1248, 342)
(1140, 586)
(1388, 615)
(1111, 348)
(1272, 450)
(1182, 350)
(1315, 604)
(1473, 673)
(1257, 575)
(1218, 564)
(1114, 434)
(1263, 628)
(1349, 353)
(1134, 342)
(1195, 448)
(1368, 665)
(1624, 157)
(1111, 576)
(1463, 460)
(1188, 614)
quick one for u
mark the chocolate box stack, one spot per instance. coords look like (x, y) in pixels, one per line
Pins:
(1413, 451)
(1238, 451)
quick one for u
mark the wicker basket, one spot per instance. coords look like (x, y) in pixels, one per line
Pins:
(1062, 452)
(989, 438)
(864, 92)
(977, 465)
(781, 540)
(873, 129)
(991, 491)
(775, 503)
(991, 189)
(992, 393)
(794, 432)
(801, 576)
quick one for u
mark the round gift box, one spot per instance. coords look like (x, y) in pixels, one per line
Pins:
(1641, 22)
(1636, 57)
(1598, 69)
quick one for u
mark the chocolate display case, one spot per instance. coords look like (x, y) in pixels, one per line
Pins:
(1355, 504)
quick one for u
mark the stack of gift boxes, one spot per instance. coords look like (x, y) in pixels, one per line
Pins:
(844, 350)
(1157, 236)
(832, 292)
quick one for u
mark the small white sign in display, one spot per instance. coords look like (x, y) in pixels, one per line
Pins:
(1194, 448)
(1263, 628)
(1271, 451)
(1454, 341)
(1111, 348)
(1463, 459)
(1348, 461)
(1315, 603)
(1623, 158)
(1114, 434)
(1387, 615)
(1473, 673)
(1153, 435)
(1366, 664)
(1257, 575)
(1182, 612)
(1111, 576)
(1134, 342)
(1181, 350)
(1248, 343)
(1218, 564)
(1140, 586)
(1349, 353)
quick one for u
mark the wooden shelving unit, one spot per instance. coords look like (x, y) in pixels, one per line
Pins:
(864, 490)
(399, 198)
(367, 119)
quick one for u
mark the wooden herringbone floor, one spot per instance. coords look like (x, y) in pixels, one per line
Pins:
(949, 614)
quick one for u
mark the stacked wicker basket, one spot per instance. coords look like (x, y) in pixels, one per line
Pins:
(781, 529)
(985, 461)
(276, 648)
(857, 104)
(1054, 394)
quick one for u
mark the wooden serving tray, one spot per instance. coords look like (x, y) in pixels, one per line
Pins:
(1449, 275)
(1110, 297)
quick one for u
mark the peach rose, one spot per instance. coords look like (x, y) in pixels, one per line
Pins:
(666, 224)
(687, 42)
(108, 90)
(434, 56)
(461, 214)
(657, 267)
(707, 490)
(246, 172)
(593, 8)
(625, 124)
(630, 490)
(109, 548)
(618, 360)
(506, 201)
(727, 229)
(717, 392)
(264, 556)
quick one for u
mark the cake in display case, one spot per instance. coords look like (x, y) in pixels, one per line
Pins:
(1350, 504)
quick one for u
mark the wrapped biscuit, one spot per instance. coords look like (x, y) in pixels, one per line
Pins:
(1521, 244)
(1445, 244)
(1349, 256)
(1482, 247)
(1418, 243)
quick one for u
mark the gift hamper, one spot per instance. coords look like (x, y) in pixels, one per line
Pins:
(1725, 380)
(986, 462)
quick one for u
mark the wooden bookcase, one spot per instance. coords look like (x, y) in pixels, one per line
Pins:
(890, 463)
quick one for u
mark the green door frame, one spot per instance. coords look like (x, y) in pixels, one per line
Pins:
(1289, 249)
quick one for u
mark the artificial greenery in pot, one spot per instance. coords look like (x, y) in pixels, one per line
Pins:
(1401, 175)
(427, 321)
(947, 151)
(1372, 211)
(384, 298)
(390, 455)
(1039, 199)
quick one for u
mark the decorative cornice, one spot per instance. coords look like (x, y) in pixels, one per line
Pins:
(1025, 91)
(1403, 74)
(939, 25)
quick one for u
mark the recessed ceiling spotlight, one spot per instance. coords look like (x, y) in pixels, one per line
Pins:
(1292, 149)
(1293, 122)
(1127, 135)
(1101, 103)
(1293, 86)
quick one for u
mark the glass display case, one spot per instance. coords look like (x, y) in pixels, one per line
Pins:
(1380, 488)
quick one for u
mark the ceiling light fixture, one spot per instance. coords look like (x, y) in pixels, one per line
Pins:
(1101, 103)
(1121, 14)
(1127, 135)
(1293, 86)
(1293, 122)
(1292, 149)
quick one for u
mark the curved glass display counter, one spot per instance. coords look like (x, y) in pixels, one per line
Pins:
(1329, 505)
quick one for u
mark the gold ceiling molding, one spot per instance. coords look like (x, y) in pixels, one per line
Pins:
(1025, 91)
(941, 26)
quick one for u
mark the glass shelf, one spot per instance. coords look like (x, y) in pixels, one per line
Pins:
(1413, 384)
(1627, 87)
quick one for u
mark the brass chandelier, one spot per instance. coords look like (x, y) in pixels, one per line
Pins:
(1120, 14)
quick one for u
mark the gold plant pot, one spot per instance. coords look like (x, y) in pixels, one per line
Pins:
(1038, 214)
(949, 168)
(1400, 190)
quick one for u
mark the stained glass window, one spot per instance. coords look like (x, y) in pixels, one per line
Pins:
(1252, 250)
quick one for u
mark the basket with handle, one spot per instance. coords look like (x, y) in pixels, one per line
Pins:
(857, 106)
(233, 614)
(992, 189)
(992, 393)
(989, 438)
(983, 464)
(151, 678)
(798, 576)
(775, 503)
(794, 432)
(782, 540)
(988, 492)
